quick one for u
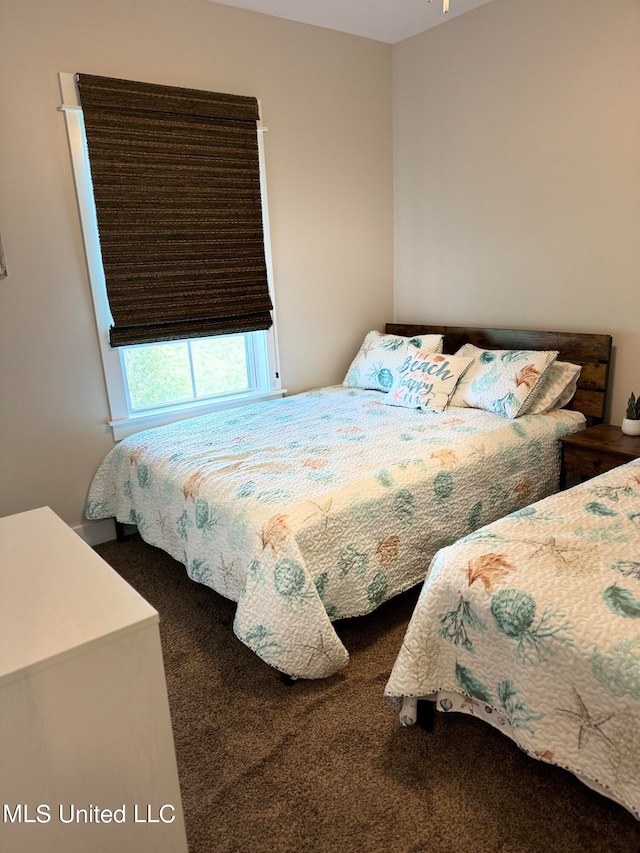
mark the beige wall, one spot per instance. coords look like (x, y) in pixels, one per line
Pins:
(327, 102)
(517, 173)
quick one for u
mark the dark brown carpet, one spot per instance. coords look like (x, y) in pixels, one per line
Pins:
(324, 766)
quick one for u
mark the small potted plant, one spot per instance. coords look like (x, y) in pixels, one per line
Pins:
(631, 422)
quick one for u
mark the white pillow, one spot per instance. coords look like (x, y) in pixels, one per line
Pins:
(380, 355)
(426, 380)
(556, 389)
(501, 381)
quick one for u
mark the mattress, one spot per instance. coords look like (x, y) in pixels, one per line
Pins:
(322, 505)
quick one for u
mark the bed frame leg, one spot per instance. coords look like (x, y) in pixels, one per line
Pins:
(119, 530)
(426, 715)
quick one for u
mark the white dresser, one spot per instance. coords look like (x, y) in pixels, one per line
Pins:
(87, 761)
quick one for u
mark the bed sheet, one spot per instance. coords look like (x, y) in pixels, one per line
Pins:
(322, 505)
(533, 624)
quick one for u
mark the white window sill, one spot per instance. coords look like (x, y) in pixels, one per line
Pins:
(135, 423)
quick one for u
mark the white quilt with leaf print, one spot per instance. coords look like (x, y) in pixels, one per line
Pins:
(321, 505)
(533, 624)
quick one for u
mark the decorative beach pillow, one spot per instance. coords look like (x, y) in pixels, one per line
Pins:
(502, 381)
(556, 389)
(380, 355)
(426, 380)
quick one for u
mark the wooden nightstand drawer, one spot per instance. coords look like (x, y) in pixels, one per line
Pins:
(590, 463)
(595, 450)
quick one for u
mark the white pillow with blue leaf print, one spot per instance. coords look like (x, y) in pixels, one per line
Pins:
(381, 355)
(502, 381)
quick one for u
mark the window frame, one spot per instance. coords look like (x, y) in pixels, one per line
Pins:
(262, 346)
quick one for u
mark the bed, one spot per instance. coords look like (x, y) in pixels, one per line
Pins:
(532, 624)
(323, 505)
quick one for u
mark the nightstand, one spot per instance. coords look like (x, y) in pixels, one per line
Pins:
(595, 450)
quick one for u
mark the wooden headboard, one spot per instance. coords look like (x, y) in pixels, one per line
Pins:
(592, 352)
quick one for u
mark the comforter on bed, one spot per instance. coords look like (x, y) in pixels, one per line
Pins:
(533, 624)
(321, 505)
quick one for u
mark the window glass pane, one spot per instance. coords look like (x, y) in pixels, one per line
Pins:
(220, 365)
(158, 374)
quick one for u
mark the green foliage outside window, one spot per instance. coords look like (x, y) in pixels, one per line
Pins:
(160, 374)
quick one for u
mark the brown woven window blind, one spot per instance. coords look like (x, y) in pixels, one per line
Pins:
(176, 182)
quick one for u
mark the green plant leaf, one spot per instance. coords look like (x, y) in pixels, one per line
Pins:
(633, 407)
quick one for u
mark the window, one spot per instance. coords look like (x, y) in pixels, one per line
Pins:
(153, 383)
(164, 374)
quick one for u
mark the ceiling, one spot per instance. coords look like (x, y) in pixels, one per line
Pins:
(383, 20)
